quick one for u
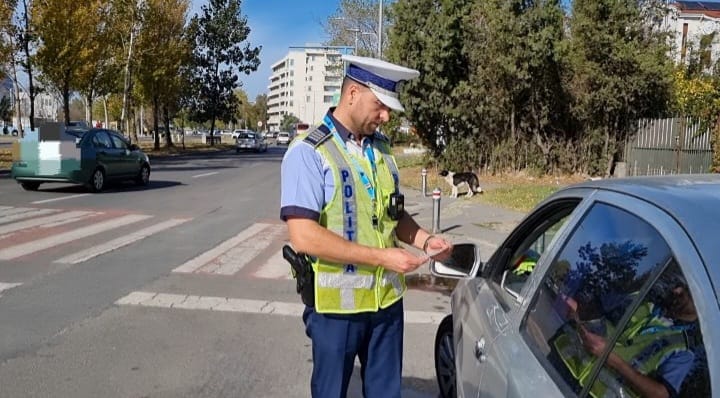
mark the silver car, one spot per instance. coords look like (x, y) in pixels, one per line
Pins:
(250, 141)
(607, 289)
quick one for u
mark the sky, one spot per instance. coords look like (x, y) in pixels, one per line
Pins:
(277, 25)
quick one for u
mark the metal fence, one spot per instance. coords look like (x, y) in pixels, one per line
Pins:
(668, 146)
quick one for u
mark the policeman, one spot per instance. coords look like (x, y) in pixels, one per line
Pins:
(343, 207)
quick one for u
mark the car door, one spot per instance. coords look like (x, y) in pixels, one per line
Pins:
(105, 153)
(600, 267)
(484, 304)
(127, 160)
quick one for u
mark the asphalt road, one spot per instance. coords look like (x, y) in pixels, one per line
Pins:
(174, 290)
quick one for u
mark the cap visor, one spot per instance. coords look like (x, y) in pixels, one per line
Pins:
(391, 102)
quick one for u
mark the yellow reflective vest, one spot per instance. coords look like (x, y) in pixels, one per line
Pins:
(355, 288)
(644, 343)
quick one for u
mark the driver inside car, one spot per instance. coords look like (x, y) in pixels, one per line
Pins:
(652, 356)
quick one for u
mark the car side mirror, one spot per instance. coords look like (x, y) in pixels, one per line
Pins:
(134, 147)
(463, 261)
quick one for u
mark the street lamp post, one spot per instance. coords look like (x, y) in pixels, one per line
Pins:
(357, 32)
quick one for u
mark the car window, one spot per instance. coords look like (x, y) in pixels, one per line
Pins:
(521, 253)
(119, 142)
(246, 135)
(662, 339)
(101, 140)
(601, 277)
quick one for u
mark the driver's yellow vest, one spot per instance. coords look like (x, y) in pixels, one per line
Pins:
(354, 288)
(644, 343)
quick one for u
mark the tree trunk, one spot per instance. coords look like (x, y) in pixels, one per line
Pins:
(128, 71)
(88, 109)
(107, 124)
(606, 152)
(18, 109)
(28, 66)
(66, 100)
(155, 123)
(212, 130)
(166, 117)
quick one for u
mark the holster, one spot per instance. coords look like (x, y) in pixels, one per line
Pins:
(303, 273)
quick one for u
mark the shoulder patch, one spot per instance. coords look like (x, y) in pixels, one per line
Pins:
(319, 135)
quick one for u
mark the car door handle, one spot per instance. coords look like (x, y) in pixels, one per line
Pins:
(480, 350)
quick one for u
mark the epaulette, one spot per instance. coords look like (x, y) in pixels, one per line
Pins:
(319, 135)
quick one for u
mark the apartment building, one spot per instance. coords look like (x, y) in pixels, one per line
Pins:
(305, 83)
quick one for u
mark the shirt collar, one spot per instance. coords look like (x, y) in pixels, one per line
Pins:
(345, 134)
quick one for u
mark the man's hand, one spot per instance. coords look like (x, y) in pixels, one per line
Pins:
(401, 260)
(438, 248)
(595, 344)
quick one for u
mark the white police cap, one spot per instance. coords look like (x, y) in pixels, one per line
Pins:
(380, 77)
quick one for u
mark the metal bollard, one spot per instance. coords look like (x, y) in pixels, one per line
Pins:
(424, 182)
(436, 210)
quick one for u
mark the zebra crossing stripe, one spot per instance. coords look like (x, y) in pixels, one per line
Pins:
(114, 244)
(233, 260)
(226, 304)
(37, 202)
(24, 249)
(7, 286)
(29, 214)
(210, 255)
(14, 210)
(42, 221)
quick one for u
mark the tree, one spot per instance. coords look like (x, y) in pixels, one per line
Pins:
(97, 76)
(127, 16)
(6, 48)
(26, 43)
(428, 35)
(620, 72)
(163, 50)
(358, 19)
(515, 86)
(62, 30)
(260, 110)
(220, 52)
(696, 87)
(288, 121)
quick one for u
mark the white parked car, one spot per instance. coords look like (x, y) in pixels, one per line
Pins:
(283, 138)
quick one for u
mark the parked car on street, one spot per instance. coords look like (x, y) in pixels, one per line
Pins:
(283, 138)
(608, 288)
(250, 141)
(91, 157)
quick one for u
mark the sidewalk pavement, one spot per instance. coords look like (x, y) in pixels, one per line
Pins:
(463, 220)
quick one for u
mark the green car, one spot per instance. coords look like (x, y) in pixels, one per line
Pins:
(91, 157)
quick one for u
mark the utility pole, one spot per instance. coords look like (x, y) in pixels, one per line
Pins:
(380, 26)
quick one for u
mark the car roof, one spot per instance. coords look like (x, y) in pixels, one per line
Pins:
(692, 200)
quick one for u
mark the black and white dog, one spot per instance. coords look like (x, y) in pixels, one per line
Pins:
(458, 179)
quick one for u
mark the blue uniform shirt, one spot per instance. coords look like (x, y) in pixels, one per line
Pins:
(306, 181)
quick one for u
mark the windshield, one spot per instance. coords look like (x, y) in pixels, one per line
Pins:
(246, 135)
